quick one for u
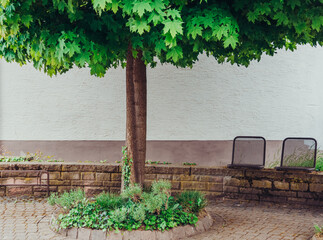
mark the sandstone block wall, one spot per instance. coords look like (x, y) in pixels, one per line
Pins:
(262, 185)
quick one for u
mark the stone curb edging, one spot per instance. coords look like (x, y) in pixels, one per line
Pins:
(173, 234)
(317, 238)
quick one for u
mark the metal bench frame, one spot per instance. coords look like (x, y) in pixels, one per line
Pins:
(256, 166)
(309, 169)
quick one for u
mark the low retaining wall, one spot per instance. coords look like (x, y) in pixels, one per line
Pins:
(262, 185)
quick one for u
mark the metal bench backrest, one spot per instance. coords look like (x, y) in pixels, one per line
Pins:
(249, 152)
(298, 153)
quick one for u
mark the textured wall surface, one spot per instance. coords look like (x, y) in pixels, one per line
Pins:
(262, 185)
(277, 97)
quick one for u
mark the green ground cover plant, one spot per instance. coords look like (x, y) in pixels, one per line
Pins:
(318, 230)
(132, 209)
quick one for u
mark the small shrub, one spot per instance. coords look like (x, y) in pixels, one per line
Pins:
(138, 213)
(67, 200)
(133, 209)
(319, 164)
(192, 201)
(133, 192)
(109, 201)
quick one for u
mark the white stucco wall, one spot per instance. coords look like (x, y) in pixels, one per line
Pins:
(278, 97)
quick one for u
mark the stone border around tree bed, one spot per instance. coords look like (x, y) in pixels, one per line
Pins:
(180, 232)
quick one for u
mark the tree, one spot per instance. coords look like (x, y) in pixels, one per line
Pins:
(56, 35)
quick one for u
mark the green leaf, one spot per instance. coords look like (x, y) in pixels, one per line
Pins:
(175, 54)
(72, 48)
(317, 22)
(281, 18)
(220, 31)
(174, 27)
(155, 18)
(196, 30)
(141, 7)
(139, 26)
(26, 20)
(231, 40)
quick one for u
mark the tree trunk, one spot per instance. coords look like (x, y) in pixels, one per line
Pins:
(136, 84)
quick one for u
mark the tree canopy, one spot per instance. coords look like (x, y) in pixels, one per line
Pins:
(57, 34)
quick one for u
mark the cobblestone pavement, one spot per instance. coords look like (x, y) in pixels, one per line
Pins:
(29, 219)
(260, 221)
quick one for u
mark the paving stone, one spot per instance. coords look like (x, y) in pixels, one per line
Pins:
(29, 219)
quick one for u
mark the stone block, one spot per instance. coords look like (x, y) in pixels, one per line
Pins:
(115, 177)
(59, 182)
(281, 185)
(165, 176)
(115, 190)
(307, 195)
(44, 188)
(196, 186)
(199, 227)
(166, 235)
(215, 187)
(250, 190)
(84, 233)
(54, 175)
(262, 184)
(26, 180)
(7, 181)
(72, 233)
(91, 191)
(151, 176)
(230, 181)
(108, 168)
(70, 176)
(167, 170)
(113, 235)
(182, 177)
(189, 230)
(16, 191)
(207, 222)
(176, 185)
(282, 193)
(303, 187)
(211, 179)
(178, 232)
(103, 176)
(111, 184)
(86, 183)
(230, 189)
(61, 189)
(88, 176)
(316, 187)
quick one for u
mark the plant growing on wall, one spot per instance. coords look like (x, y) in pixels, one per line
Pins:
(56, 35)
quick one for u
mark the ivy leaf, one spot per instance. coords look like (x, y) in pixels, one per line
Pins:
(174, 27)
(175, 53)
